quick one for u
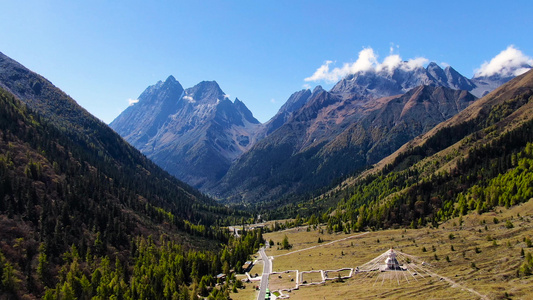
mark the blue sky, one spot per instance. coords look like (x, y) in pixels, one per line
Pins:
(103, 53)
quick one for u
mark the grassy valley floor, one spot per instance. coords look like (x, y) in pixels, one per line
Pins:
(472, 257)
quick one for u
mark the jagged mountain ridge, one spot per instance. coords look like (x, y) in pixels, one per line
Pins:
(295, 102)
(386, 82)
(332, 134)
(311, 151)
(193, 133)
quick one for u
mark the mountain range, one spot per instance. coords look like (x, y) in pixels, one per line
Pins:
(317, 137)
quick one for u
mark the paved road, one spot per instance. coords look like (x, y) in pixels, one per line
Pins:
(267, 269)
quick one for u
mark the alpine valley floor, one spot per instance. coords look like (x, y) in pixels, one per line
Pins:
(471, 257)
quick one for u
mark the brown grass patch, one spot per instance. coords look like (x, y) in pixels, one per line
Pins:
(452, 250)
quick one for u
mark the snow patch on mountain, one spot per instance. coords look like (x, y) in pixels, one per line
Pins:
(189, 99)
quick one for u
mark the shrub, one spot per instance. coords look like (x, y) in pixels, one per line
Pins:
(509, 224)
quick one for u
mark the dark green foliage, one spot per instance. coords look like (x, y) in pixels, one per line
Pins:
(156, 271)
(285, 243)
(9, 283)
(509, 224)
(68, 209)
(526, 269)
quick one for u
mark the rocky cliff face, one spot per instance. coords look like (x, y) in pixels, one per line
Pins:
(193, 134)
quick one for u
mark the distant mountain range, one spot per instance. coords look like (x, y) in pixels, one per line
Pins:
(316, 138)
(386, 82)
(330, 138)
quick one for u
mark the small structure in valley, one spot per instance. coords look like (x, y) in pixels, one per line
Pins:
(391, 263)
(247, 266)
(395, 266)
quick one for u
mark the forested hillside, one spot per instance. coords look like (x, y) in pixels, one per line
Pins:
(83, 214)
(77, 226)
(477, 160)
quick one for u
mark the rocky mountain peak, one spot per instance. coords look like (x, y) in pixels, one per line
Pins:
(435, 71)
(317, 89)
(170, 79)
(168, 91)
(246, 113)
(297, 100)
(194, 134)
(206, 92)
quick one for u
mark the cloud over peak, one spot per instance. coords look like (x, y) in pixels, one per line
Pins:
(509, 62)
(367, 61)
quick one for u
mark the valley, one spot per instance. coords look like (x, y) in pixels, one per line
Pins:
(404, 180)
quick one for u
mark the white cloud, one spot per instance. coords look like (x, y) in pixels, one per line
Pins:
(131, 102)
(414, 63)
(367, 61)
(509, 62)
(306, 86)
(390, 63)
(322, 73)
(273, 100)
